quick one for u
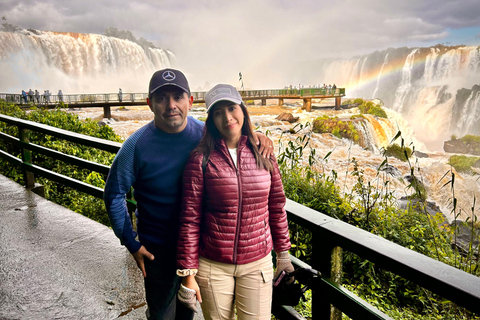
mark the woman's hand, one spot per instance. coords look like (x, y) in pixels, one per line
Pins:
(191, 283)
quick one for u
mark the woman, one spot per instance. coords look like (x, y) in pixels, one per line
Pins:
(232, 216)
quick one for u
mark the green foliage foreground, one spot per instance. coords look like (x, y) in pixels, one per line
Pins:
(371, 206)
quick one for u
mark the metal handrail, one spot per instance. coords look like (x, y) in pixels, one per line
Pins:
(98, 98)
(328, 233)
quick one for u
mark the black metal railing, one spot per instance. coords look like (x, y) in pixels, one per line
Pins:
(328, 234)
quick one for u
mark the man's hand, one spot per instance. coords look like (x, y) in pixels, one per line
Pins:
(265, 145)
(139, 256)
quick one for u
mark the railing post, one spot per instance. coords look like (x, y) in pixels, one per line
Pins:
(106, 112)
(307, 104)
(29, 178)
(338, 103)
(336, 275)
(321, 261)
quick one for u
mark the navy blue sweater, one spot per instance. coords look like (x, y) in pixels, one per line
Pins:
(152, 161)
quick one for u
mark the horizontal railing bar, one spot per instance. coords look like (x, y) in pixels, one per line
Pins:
(64, 180)
(57, 155)
(451, 283)
(350, 304)
(9, 138)
(287, 313)
(90, 141)
(12, 159)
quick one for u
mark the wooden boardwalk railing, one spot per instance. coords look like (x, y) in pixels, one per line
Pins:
(107, 100)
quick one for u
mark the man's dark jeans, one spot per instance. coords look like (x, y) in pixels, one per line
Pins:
(161, 287)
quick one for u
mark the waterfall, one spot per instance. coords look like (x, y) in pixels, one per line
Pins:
(76, 62)
(379, 76)
(434, 89)
(406, 84)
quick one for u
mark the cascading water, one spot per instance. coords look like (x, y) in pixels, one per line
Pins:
(430, 87)
(78, 63)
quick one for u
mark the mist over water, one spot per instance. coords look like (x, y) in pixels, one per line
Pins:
(76, 63)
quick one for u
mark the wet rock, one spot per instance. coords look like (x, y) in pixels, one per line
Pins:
(285, 116)
(420, 154)
(477, 164)
(350, 106)
(466, 233)
(422, 207)
(461, 146)
(391, 170)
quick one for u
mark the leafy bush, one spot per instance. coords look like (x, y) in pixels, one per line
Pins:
(401, 153)
(370, 206)
(358, 100)
(340, 129)
(470, 138)
(462, 163)
(369, 107)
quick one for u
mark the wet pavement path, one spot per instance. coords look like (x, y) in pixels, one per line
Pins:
(57, 264)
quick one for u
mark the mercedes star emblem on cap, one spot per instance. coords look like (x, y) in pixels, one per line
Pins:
(168, 75)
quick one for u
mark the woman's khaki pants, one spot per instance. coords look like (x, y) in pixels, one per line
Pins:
(246, 286)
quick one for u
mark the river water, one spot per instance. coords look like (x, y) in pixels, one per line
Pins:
(433, 170)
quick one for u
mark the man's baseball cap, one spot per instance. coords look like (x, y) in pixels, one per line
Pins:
(222, 92)
(168, 77)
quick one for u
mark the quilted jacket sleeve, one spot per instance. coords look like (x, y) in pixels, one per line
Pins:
(191, 214)
(278, 215)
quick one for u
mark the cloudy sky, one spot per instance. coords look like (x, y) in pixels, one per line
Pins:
(214, 40)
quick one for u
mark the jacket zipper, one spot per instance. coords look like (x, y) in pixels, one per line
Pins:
(239, 217)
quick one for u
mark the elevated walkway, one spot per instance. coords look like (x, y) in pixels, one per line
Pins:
(57, 264)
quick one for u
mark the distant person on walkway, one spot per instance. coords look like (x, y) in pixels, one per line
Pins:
(30, 96)
(60, 95)
(120, 95)
(24, 95)
(233, 214)
(37, 96)
(152, 160)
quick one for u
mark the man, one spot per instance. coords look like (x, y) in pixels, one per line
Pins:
(152, 160)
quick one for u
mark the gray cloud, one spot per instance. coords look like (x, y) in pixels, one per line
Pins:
(267, 41)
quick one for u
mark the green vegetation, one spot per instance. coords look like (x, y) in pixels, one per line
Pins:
(77, 201)
(401, 153)
(367, 107)
(470, 138)
(339, 128)
(463, 163)
(371, 206)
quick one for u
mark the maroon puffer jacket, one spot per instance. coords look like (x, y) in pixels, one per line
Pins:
(243, 210)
